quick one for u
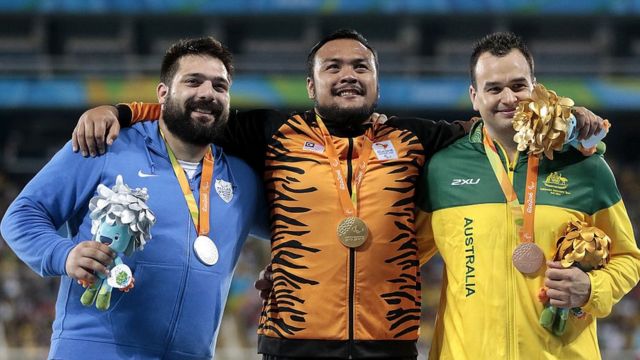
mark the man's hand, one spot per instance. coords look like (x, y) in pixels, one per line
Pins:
(264, 284)
(587, 123)
(378, 118)
(94, 127)
(87, 258)
(567, 288)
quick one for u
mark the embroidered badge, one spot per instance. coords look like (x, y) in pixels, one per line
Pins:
(384, 150)
(311, 146)
(224, 190)
(556, 184)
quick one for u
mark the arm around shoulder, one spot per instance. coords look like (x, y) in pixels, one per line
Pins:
(434, 135)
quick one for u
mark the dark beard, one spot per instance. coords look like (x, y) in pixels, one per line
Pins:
(345, 118)
(190, 130)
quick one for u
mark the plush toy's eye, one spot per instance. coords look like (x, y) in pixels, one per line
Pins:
(117, 236)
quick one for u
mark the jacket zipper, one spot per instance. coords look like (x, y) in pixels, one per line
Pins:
(352, 254)
(172, 329)
(511, 346)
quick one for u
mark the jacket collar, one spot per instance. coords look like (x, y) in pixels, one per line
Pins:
(342, 132)
(150, 130)
(476, 136)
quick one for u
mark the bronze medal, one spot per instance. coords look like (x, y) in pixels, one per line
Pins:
(528, 258)
(352, 232)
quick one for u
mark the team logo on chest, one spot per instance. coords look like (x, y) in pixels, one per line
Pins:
(384, 150)
(556, 184)
(224, 190)
(311, 146)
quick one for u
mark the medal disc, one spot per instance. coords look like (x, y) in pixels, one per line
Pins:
(528, 258)
(352, 232)
(206, 250)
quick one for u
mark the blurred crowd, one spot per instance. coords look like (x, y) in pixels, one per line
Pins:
(27, 301)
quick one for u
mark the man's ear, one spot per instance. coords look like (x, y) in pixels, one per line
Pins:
(472, 96)
(162, 91)
(311, 89)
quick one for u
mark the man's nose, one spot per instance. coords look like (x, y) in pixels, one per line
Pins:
(348, 79)
(205, 90)
(508, 96)
(348, 75)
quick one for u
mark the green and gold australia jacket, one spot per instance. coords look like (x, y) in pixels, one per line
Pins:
(489, 310)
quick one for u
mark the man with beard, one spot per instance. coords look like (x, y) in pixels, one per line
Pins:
(344, 257)
(204, 201)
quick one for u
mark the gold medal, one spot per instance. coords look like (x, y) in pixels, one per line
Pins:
(352, 232)
(528, 258)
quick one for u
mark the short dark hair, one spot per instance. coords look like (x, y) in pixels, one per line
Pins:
(337, 35)
(206, 46)
(498, 44)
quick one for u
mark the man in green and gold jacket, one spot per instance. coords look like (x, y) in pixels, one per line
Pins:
(488, 309)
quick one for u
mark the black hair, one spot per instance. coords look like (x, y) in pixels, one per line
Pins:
(337, 35)
(498, 44)
(207, 46)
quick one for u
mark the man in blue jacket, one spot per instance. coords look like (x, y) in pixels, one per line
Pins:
(182, 276)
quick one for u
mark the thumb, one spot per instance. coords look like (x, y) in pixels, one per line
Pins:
(114, 130)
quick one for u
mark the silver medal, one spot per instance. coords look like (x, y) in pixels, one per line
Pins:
(206, 250)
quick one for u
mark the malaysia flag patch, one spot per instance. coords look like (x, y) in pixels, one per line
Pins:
(311, 146)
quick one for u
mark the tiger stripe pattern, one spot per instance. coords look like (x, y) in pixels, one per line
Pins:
(311, 295)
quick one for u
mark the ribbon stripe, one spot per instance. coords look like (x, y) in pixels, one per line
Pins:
(199, 216)
(524, 221)
(349, 203)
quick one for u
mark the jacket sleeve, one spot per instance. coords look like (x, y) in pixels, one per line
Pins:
(248, 132)
(621, 274)
(260, 225)
(131, 113)
(424, 228)
(245, 135)
(433, 135)
(59, 193)
(424, 234)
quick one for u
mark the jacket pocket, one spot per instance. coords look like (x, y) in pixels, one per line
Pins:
(200, 314)
(143, 316)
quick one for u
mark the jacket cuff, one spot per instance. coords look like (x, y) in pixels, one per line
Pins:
(594, 305)
(57, 259)
(124, 115)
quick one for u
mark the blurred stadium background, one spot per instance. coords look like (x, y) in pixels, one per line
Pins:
(59, 57)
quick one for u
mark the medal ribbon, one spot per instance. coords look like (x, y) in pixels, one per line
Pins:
(200, 216)
(349, 204)
(523, 221)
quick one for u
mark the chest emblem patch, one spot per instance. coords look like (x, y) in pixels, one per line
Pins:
(224, 190)
(311, 146)
(384, 150)
(556, 184)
